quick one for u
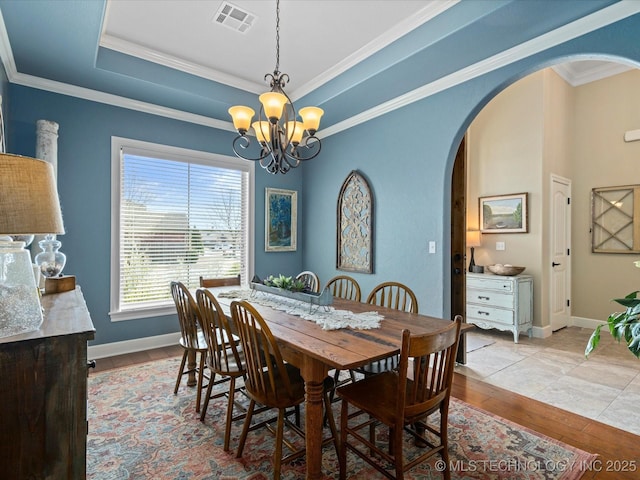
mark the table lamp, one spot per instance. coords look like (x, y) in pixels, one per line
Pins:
(29, 204)
(473, 240)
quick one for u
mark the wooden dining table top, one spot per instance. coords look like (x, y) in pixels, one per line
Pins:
(315, 351)
(345, 348)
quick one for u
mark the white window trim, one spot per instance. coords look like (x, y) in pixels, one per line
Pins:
(194, 156)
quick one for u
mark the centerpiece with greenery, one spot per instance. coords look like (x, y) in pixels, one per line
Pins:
(290, 287)
(286, 283)
(622, 325)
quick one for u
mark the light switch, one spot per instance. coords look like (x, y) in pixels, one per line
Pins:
(432, 246)
(500, 246)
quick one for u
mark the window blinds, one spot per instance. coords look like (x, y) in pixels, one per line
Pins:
(179, 219)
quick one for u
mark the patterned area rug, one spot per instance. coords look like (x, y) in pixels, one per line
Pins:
(139, 430)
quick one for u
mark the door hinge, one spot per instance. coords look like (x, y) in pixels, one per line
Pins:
(568, 252)
(568, 200)
(568, 303)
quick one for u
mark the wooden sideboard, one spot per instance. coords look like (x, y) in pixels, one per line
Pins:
(43, 387)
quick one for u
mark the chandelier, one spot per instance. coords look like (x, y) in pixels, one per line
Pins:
(284, 140)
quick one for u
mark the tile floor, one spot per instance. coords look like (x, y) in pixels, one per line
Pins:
(604, 387)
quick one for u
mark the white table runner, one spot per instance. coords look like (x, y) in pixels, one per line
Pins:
(327, 317)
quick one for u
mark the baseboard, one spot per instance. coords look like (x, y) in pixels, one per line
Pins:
(131, 346)
(541, 332)
(586, 322)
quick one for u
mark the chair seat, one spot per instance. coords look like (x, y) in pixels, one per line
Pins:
(231, 366)
(379, 366)
(202, 343)
(279, 399)
(377, 393)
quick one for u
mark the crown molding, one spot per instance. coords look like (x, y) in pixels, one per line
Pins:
(432, 10)
(117, 101)
(587, 24)
(555, 37)
(151, 55)
(576, 78)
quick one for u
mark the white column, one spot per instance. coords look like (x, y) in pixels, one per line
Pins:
(47, 150)
(47, 143)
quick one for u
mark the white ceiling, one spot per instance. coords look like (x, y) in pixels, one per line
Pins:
(183, 34)
(318, 40)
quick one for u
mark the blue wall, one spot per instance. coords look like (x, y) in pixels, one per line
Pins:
(84, 182)
(406, 155)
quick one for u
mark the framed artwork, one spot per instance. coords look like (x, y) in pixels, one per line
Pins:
(615, 219)
(355, 225)
(504, 213)
(281, 220)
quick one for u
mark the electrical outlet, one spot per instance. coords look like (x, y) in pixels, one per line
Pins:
(500, 246)
(432, 246)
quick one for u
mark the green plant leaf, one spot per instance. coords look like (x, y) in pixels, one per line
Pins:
(593, 342)
(634, 343)
(630, 300)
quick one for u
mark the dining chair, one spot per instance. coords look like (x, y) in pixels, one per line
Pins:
(272, 382)
(310, 279)
(192, 338)
(225, 356)
(393, 295)
(219, 282)
(403, 400)
(344, 286)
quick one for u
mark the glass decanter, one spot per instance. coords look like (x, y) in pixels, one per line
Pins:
(50, 260)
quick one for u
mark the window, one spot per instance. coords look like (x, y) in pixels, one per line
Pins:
(176, 215)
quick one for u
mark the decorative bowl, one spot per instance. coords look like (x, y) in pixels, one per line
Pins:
(508, 270)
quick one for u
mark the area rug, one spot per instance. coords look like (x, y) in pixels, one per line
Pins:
(138, 429)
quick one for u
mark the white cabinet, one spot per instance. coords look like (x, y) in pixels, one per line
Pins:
(501, 302)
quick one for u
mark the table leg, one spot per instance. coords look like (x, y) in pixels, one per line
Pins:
(191, 366)
(314, 373)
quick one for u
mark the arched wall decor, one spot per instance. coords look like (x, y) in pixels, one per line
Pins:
(355, 225)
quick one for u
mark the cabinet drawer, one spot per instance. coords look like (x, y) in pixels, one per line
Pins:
(498, 284)
(489, 297)
(489, 314)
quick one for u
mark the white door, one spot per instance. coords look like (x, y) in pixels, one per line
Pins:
(560, 271)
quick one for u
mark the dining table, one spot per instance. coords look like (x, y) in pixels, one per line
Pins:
(316, 350)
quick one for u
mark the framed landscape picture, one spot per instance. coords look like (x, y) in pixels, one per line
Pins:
(281, 220)
(504, 214)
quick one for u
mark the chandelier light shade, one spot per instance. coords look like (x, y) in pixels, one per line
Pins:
(28, 205)
(284, 140)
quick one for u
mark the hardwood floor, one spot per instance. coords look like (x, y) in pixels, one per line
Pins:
(619, 451)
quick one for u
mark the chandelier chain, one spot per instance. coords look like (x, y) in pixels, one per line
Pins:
(277, 35)
(283, 140)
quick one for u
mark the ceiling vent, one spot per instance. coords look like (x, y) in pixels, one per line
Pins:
(234, 17)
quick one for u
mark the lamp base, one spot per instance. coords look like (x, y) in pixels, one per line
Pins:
(477, 269)
(61, 284)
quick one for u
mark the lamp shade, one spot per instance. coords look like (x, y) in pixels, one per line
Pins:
(273, 103)
(241, 117)
(262, 130)
(311, 118)
(28, 197)
(295, 131)
(473, 238)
